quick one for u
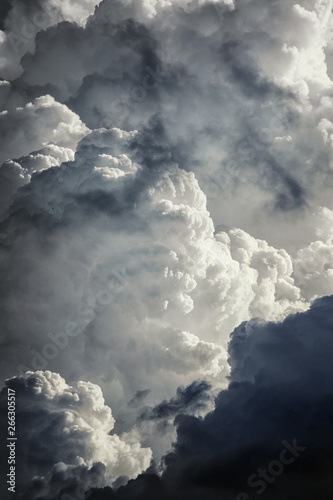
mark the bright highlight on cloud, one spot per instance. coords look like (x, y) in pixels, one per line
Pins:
(165, 176)
(70, 426)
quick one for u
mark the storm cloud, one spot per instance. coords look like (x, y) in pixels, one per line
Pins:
(166, 246)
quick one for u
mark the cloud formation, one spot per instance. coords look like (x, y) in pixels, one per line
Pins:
(276, 410)
(270, 431)
(114, 235)
(21, 22)
(150, 227)
(67, 427)
(166, 175)
(276, 393)
(37, 136)
(264, 128)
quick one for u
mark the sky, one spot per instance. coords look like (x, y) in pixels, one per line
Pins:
(166, 249)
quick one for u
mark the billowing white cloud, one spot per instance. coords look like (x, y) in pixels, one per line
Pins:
(71, 426)
(130, 281)
(314, 263)
(38, 124)
(42, 134)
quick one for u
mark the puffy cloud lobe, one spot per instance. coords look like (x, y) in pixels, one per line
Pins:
(195, 395)
(43, 133)
(195, 399)
(38, 124)
(70, 426)
(17, 173)
(313, 265)
(314, 269)
(66, 482)
(274, 292)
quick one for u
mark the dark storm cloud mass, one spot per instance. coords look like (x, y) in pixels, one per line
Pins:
(278, 393)
(165, 199)
(279, 398)
(270, 433)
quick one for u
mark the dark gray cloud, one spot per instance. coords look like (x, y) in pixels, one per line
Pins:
(139, 397)
(278, 392)
(270, 432)
(188, 399)
(4, 10)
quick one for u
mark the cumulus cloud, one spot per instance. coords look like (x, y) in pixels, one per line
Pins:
(264, 128)
(270, 430)
(40, 123)
(314, 264)
(67, 427)
(106, 234)
(37, 136)
(143, 274)
(21, 21)
(277, 394)
(152, 228)
(166, 174)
